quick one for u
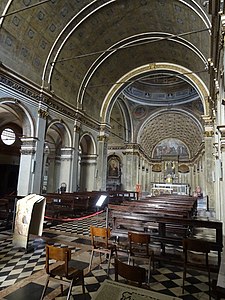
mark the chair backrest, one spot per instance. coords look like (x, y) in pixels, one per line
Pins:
(129, 272)
(138, 239)
(58, 254)
(99, 232)
(195, 245)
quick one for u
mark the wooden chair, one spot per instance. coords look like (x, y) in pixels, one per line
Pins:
(100, 244)
(139, 249)
(192, 249)
(63, 273)
(130, 273)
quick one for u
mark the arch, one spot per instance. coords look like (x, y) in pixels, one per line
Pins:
(14, 116)
(15, 107)
(87, 144)
(128, 42)
(146, 69)
(62, 130)
(121, 116)
(87, 163)
(172, 123)
(79, 18)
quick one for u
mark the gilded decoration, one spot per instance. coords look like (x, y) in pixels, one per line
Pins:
(183, 168)
(43, 113)
(157, 168)
(209, 133)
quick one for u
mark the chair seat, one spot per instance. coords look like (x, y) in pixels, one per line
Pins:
(141, 253)
(139, 249)
(63, 273)
(60, 271)
(100, 244)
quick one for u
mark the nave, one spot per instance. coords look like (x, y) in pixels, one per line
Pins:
(22, 275)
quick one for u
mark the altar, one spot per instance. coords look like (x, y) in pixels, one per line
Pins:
(170, 188)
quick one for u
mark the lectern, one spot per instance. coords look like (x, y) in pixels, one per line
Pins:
(29, 219)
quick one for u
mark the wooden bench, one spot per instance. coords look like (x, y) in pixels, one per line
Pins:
(76, 203)
(183, 200)
(123, 221)
(70, 204)
(186, 210)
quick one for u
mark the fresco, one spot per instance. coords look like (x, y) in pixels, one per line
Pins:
(113, 167)
(170, 147)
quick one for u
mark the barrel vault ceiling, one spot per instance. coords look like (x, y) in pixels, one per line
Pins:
(78, 50)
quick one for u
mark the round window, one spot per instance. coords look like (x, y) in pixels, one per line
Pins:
(8, 136)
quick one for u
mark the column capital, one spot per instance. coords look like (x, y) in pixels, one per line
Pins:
(43, 114)
(77, 126)
(28, 146)
(66, 153)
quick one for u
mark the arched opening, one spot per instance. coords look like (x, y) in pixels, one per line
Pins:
(57, 159)
(87, 164)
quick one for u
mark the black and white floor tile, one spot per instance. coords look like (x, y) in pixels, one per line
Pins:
(22, 272)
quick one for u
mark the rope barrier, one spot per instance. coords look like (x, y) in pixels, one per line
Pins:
(75, 219)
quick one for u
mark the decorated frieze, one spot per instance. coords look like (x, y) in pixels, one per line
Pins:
(48, 99)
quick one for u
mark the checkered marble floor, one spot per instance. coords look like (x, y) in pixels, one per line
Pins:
(22, 272)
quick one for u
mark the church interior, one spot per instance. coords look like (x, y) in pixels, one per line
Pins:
(120, 101)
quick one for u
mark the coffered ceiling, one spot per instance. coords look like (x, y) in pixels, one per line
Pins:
(79, 50)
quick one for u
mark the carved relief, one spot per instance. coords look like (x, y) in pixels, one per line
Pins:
(43, 113)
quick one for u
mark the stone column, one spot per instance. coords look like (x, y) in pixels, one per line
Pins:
(40, 145)
(32, 152)
(27, 166)
(219, 145)
(44, 186)
(51, 186)
(220, 175)
(101, 169)
(65, 167)
(87, 175)
(131, 168)
(209, 163)
(75, 157)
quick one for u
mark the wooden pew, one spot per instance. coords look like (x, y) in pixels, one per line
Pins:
(71, 204)
(122, 220)
(173, 199)
(76, 203)
(185, 210)
(138, 225)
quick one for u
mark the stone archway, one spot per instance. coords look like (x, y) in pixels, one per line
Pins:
(195, 80)
(57, 158)
(87, 163)
(16, 127)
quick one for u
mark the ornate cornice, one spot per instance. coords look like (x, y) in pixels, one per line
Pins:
(20, 87)
(23, 87)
